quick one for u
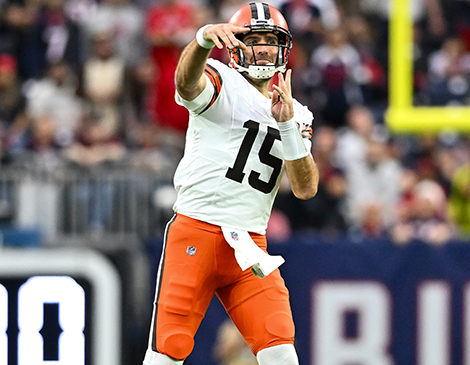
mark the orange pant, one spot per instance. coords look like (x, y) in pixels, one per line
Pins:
(197, 263)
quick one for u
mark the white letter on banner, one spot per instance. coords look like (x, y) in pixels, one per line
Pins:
(466, 324)
(332, 301)
(3, 325)
(433, 327)
(70, 297)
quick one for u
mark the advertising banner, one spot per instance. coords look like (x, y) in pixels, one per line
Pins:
(371, 304)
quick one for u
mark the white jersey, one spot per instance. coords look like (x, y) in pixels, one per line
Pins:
(233, 159)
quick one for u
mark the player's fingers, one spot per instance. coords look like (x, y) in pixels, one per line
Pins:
(242, 45)
(220, 40)
(283, 84)
(229, 40)
(223, 33)
(284, 95)
(280, 78)
(288, 81)
(213, 33)
(275, 93)
(217, 42)
(228, 32)
(276, 98)
(279, 91)
(237, 29)
(234, 42)
(281, 87)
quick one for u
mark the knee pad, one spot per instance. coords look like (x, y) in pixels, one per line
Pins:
(178, 345)
(280, 325)
(276, 329)
(278, 355)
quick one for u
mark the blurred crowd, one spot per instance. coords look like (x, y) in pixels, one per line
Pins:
(90, 82)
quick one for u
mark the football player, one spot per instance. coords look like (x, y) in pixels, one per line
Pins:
(240, 140)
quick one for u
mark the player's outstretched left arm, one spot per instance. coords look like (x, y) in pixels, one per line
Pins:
(301, 169)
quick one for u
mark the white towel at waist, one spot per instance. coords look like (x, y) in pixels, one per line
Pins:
(248, 254)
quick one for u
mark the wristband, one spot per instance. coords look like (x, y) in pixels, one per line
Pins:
(201, 40)
(292, 143)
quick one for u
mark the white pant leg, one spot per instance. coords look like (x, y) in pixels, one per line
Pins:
(155, 358)
(278, 355)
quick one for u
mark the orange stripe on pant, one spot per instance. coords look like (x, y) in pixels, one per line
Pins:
(197, 263)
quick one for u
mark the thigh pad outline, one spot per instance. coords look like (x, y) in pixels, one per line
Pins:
(181, 293)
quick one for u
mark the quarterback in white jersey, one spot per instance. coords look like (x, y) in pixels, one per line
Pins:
(241, 139)
(233, 161)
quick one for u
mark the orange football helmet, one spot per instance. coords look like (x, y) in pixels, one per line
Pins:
(261, 17)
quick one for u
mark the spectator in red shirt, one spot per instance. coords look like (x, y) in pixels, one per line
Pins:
(170, 25)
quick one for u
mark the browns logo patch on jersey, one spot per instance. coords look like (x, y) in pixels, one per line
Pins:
(307, 131)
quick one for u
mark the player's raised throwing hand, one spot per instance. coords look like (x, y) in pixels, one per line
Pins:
(224, 33)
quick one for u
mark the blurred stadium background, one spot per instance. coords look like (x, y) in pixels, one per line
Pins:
(377, 263)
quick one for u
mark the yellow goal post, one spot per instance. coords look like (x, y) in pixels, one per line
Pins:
(401, 116)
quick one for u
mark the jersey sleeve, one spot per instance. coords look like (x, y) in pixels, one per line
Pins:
(216, 81)
(208, 96)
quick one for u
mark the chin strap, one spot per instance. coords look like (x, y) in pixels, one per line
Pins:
(260, 71)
